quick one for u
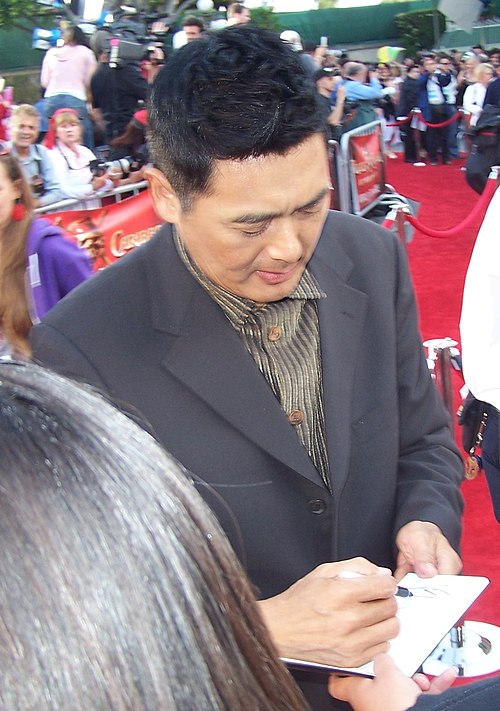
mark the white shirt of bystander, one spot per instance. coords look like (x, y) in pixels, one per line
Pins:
(480, 319)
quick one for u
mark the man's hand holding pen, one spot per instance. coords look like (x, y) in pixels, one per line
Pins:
(329, 617)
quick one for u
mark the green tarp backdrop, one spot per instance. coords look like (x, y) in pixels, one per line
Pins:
(342, 27)
(360, 24)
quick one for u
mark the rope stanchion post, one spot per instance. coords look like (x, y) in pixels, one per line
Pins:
(395, 220)
(439, 360)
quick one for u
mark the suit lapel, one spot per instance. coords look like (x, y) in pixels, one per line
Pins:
(341, 315)
(208, 357)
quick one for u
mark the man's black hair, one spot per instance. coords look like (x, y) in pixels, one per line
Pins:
(235, 94)
(192, 20)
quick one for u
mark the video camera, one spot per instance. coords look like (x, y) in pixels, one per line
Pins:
(125, 33)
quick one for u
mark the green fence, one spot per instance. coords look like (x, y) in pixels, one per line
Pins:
(342, 27)
(16, 51)
(357, 25)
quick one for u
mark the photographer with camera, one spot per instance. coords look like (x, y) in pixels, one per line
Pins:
(129, 153)
(35, 160)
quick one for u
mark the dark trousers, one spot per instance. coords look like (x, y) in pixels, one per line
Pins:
(408, 137)
(491, 460)
(437, 138)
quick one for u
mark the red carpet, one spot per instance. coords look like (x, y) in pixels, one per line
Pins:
(438, 266)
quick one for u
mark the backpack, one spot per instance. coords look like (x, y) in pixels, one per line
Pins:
(485, 133)
(357, 113)
(485, 151)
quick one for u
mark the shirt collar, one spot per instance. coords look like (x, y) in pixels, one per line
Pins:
(237, 308)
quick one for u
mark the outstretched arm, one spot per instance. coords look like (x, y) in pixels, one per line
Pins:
(389, 690)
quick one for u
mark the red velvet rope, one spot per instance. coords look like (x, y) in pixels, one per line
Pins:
(401, 121)
(448, 121)
(455, 117)
(480, 206)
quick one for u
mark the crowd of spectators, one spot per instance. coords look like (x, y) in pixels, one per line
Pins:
(417, 100)
(430, 102)
(352, 93)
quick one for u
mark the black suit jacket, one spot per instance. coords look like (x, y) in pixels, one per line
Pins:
(145, 331)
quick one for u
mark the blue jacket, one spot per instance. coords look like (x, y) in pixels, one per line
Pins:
(423, 97)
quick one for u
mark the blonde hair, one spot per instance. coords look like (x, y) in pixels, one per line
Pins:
(66, 117)
(27, 110)
(480, 71)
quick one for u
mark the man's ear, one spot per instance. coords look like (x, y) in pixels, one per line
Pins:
(165, 200)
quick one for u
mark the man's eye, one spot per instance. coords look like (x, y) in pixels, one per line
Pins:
(256, 231)
(311, 210)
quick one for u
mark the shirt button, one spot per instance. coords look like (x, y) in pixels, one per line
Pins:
(296, 417)
(274, 333)
(317, 506)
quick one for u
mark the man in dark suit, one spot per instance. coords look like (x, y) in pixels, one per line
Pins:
(274, 350)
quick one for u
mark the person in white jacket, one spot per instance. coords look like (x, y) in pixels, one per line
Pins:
(74, 163)
(474, 94)
(480, 335)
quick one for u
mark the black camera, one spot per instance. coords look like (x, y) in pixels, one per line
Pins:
(98, 167)
(37, 185)
(122, 167)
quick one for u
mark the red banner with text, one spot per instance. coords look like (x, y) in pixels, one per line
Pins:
(367, 164)
(110, 231)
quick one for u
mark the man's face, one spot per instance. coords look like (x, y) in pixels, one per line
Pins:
(193, 32)
(256, 230)
(24, 130)
(362, 75)
(325, 85)
(244, 16)
(445, 64)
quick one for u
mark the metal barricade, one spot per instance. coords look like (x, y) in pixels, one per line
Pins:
(360, 172)
(362, 162)
(76, 203)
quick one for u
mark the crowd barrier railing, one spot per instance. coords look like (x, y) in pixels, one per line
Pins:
(114, 195)
(112, 230)
(358, 173)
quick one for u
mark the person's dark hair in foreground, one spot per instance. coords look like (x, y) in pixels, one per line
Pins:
(240, 106)
(118, 589)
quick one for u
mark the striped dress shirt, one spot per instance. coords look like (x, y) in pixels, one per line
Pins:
(283, 339)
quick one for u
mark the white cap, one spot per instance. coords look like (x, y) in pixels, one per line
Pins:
(293, 38)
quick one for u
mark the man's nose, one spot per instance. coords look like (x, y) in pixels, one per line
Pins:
(284, 243)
